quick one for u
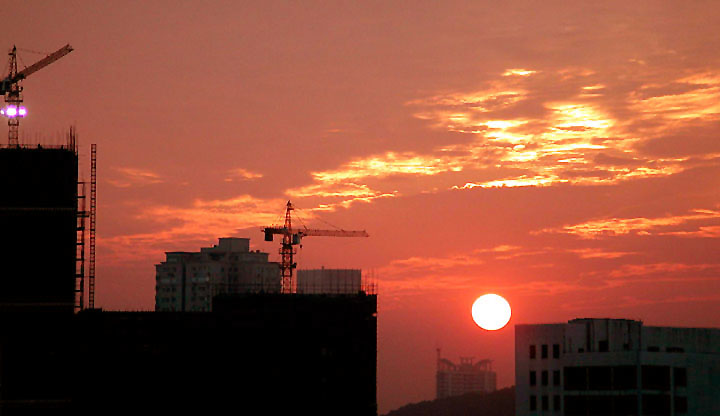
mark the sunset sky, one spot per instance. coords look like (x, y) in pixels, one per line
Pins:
(565, 155)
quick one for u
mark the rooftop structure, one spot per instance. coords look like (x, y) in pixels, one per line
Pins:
(616, 367)
(456, 379)
(329, 281)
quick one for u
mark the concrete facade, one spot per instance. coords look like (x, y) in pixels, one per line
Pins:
(187, 281)
(457, 379)
(616, 367)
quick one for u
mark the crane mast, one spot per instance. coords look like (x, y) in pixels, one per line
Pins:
(13, 97)
(292, 238)
(11, 88)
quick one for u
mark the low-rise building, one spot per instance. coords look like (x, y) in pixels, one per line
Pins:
(616, 367)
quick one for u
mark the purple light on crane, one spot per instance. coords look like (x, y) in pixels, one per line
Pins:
(12, 111)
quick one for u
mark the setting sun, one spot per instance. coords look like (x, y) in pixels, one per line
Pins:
(491, 312)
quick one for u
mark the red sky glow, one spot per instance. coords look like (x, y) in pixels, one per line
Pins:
(564, 155)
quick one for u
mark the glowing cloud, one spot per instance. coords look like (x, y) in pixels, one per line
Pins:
(390, 163)
(624, 226)
(520, 72)
(242, 174)
(203, 220)
(134, 177)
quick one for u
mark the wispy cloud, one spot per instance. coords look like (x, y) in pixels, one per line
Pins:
(663, 270)
(638, 225)
(518, 72)
(129, 177)
(203, 220)
(599, 253)
(241, 174)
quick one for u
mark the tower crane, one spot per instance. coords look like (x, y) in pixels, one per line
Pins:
(11, 88)
(294, 237)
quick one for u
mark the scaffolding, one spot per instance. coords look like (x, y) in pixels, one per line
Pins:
(80, 250)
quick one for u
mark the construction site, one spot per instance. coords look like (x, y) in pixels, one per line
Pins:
(231, 331)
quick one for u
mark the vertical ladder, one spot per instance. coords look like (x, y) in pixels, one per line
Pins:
(93, 214)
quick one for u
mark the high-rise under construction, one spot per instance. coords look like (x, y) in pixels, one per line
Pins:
(38, 242)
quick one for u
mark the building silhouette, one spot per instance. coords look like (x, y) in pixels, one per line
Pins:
(616, 367)
(457, 379)
(38, 220)
(256, 352)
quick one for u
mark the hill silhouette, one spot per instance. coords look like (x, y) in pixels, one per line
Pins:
(498, 403)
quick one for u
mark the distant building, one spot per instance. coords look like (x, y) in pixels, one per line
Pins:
(329, 281)
(187, 281)
(616, 367)
(456, 379)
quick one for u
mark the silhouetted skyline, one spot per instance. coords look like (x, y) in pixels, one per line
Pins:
(564, 156)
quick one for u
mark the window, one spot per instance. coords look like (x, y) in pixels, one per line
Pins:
(681, 404)
(556, 403)
(556, 350)
(532, 352)
(533, 403)
(599, 378)
(545, 403)
(575, 378)
(533, 379)
(655, 404)
(625, 405)
(544, 351)
(544, 378)
(680, 377)
(603, 346)
(556, 378)
(655, 377)
(624, 377)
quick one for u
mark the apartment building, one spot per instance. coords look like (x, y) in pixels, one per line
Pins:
(187, 281)
(616, 367)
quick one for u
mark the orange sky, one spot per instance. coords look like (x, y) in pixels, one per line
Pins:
(564, 155)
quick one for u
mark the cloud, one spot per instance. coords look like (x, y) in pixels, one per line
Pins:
(599, 253)
(527, 127)
(637, 226)
(132, 177)
(241, 174)
(390, 163)
(518, 72)
(572, 133)
(692, 97)
(663, 270)
(202, 221)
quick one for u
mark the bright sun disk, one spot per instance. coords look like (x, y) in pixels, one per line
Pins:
(491, 312)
